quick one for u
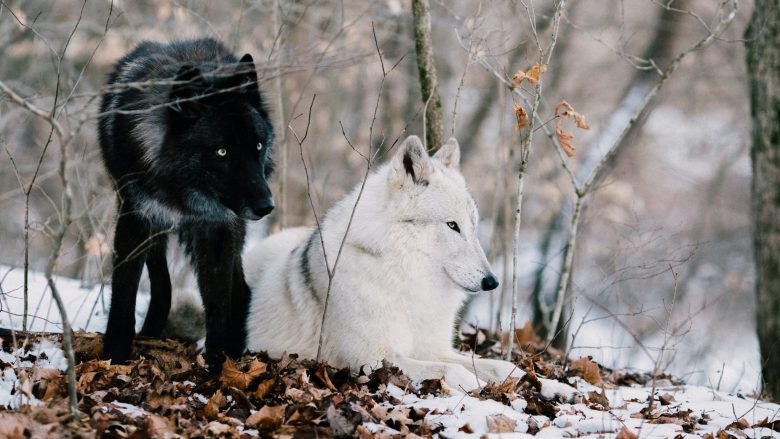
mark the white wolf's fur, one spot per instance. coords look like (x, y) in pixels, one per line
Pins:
(402, 276)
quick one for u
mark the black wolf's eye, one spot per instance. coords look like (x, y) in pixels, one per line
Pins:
(222, 152)
(453, 225)
(259, 146)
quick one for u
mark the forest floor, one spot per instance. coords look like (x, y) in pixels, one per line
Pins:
(166, 391)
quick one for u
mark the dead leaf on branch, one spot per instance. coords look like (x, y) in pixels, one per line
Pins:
(563, 111)
(530, 74)
(522, 117)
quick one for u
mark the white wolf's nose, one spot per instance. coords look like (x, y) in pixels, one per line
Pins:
(489, 282)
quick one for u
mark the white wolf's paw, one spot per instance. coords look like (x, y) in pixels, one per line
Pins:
(552, 389)
(460, 378)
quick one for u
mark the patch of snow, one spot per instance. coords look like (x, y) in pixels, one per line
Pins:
(48, 355)
(11, 396)
(128, 409)
(552, 389)
(202, 399)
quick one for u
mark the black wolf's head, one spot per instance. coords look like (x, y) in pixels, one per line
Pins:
(218, 139)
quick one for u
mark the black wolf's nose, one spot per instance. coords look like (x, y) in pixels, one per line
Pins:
(263, 208)
(489, 282)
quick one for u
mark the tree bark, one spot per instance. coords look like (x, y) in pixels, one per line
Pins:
(763, 65)
(434, 129)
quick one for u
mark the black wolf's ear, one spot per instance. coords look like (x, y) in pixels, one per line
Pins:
(411, 163)
(449, 154)
(245, 75)
(189, 84)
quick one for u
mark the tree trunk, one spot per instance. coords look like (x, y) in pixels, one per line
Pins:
(763, 65)
(434, 129)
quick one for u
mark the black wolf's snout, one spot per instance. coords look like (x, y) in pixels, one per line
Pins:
(489, 282)
(262, 208)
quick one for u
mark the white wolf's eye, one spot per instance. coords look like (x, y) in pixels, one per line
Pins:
(453, 225)
(222, 152)
(259, 146)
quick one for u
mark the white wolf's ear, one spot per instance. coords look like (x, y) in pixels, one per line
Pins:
(411, 163)
(449, 154)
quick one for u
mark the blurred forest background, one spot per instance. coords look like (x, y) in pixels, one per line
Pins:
(676, 194)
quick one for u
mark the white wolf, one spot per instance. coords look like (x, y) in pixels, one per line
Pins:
(409, 261)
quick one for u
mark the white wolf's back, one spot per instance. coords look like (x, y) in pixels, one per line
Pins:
(259, 258)
(280, 318)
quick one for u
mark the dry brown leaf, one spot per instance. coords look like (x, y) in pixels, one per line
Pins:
(563, 111)
(264, 387)
(588, 370)
(579, 120)
(160, 426)
(530, 74)
(501, 424)
(565, 141)
(624, 433)
(214, 404)
(522, 117)
(518, 78)
(232, 376)
(526, 335)
(267, 418)
(466, 428)
(535, 72)
(598, 401)
(666, 399)
(215, 428)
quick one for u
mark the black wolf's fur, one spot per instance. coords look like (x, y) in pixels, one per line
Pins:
(186, 137)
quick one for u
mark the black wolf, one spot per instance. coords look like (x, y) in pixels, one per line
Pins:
(186, 137)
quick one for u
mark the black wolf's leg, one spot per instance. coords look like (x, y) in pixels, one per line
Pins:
(160, 280)
(130, 248)
(214, 251)
(240, 310)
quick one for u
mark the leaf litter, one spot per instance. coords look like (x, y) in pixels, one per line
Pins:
(166, 391)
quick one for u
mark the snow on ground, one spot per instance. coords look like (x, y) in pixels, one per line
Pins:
(717, 409)
(48, 356)
(87, 306)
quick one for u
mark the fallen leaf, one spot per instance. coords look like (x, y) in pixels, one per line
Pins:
(232, 376)
(500, 424)
(264, 387)
(624, 433)
(216, 428)
(214, 404)
(598, 401)
(666, 399)
(466, 428)
(526, 335)
(587, 370)
(340, 424)
(267, 418)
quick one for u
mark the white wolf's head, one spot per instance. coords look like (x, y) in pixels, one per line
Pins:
(437, 214)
